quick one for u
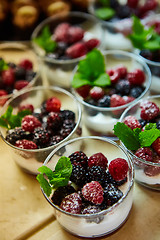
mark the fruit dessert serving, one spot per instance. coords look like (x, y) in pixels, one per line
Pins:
(105, 88)
(140, 134)
(61, 41)
(86, 187)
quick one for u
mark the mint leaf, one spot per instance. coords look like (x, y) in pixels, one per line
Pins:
(44, 184)
(64, 166)
(3, 65)
(103, 80)
(147, 137)
(47, 171)
(149, 126)
(79, 80)
(105, 13)
(137, 27)
(59, 182)
(152, 45)
(127, 136)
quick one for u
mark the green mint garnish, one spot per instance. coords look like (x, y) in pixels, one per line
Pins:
(3, 65)
(58, 178)
(105, 13)
(91, 71)
(142, 37)
(45, 40)
(147, 137)
(9, 120)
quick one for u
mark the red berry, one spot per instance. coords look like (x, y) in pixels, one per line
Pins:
(114, 75)
(20, 84)
(61, 32)
(72, 203)
(26, 107)
(132, 3)
(152, 170)
(29, 123)
(76, 50)
(157, 27)
(156, 146)
(8, 77)
(92, 43)
(149, 110)
(98, 159)
(145, 153)
(132, 122)
(53, 104)
(26, 144)
(3, 99)
(136, 77)
(96, 93)
(83, 91)
(116, 101)
(128, 99)
(75, 34)
(26, 64)
(93, 192)
(118, 169)
(148, 6)
(122, 70)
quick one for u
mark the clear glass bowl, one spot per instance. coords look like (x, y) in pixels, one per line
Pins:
(106, 221)
(15, 52)
(31, 160)
(58, 72)
(101, 120)
(146, 173)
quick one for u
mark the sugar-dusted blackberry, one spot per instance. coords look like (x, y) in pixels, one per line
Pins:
(55, 139)
(136, 91)
(40, 137)
(111, 194)
(64, 132)
(78, 175)
(96, 173)
(67, 114)
(123, 87)
(104, 101)
(109, 180)
(61, 193)
(17, 134)
(142, 122)
(68, 124)
(79, 158)
(54, 120)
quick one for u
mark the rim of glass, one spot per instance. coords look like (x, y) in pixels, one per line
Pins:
(41, 88)
(127, 54)
(120, 200)
(121, 120)
(52, 18)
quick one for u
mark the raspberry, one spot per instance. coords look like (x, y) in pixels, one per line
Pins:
(117, 100)
(72, 203)
(79, 158)
(123, 87)
(156, 146)
(148, 6)
(25, 144)
(20, 84)
(118, 169)
(26, 64)
(29, 123)
(75, 34)
(111, 194)
(83, 91)
(54, 121)
(26, 107)
(78, 175)
(96, 93)
(122, 70)
(76, 50)
(114, 75)
(136, 77)
(53, 104)
(145, 153)
(132, 3)
(93, 192)
(128, 99)
(61, 32)
(3, 99)
(91, 210)
(61, 193)
(8, 77)
(132, 122)
(98, 159)
(96, 173)
(149, 110)
(40, 137)
(92, 43)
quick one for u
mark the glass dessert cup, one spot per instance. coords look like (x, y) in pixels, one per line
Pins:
(106, 221)
(101, 120)
(15, 52)
(146, 173)
(58, 71)
(30, 159)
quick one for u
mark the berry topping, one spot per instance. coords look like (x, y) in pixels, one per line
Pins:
(156, 146)
(26, 107)
(132, 3)
(145, 153)
(117, 100)
(93, 192)
(54, 121)
(53, 104)
(92, 43)
(111, 194)
(132, 122)
(78, 175)
(114, 75)
(96, 173)
(136, 77)
(79, 158)
(61, 32)
(98, 159)
(122, 70)
(118, 169)
(128, 99)
(26, 64)
(104, 101)
(60, 193)
(91, 210)
(136, 91)
(149, 110)
(29, 123)
(96, 93)
(72, 203)
(20, 84)
(17, 134)
(25, 144)
(40, 137)
(8, 77)
(76, 50)
(123, 87)
(151, 170)
(75, 34)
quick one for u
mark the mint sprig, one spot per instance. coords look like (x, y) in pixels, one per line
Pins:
(91, 71)
(9, 120)
(3, 65)
(58, 178)
(45, 41)
(105, 13)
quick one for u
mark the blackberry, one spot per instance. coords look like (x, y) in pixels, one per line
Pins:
(64, 132)
(136, 91)
(146, 53)
(54, 121)
(114, 4)
(55, 139)
(96, 173)
(78, 175)
(123, 87)
(104, 101)
(40, 137)
(111, 194)
(67, 114)
(123, 11)
(79, 158)
(61, 193)
(142, 122)
(68, 124)
(20, 73)
(109, 180)
(17, 134)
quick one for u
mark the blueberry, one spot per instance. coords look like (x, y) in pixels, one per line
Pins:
(104, 102)
(136, 91)
(123, 87)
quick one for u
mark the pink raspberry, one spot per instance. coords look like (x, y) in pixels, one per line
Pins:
(145, 153)
(8, 77)
(118, 169)
(93, 192)
(26, 107)
(122, 70)
(98, 159)
(132, 122)
(26, 64)
(132, 3)
(149, 110)
(117, 100)
(156, 146)
(29, 123)
(114, 75)
(92, 43)
(83, 91)
(96, 93)
(128, 99)
(53, 104)
(136, 77)
(72, 203)
(75, 34)
(61, 32)
(20, 84)
(76, 50)
(25, 144)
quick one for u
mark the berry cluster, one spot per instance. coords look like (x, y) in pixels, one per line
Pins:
(44, 127)
(125, 87)
(96, 184)
(150, 113)
(70, 42)
(15, 77)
